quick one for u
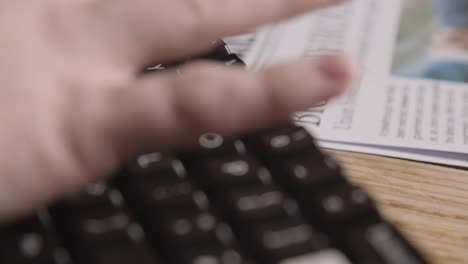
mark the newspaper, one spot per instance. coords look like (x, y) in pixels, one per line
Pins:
(388, 111)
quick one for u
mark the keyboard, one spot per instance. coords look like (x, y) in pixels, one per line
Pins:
(266, 197)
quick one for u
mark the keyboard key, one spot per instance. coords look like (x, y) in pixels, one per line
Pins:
(212, 255)
(92, 235)
(160, 191)
(101, 228)
(214, 145)
(177, 194)
(260, 203)
(99, 206)
(170, 193)
(338, 206)
(123, 254)
(152, 164)
(26, 242)
(236, 171)
(327, 256)
(289, 238)
(190, 228)
(99, 194)
(283, 141)
(95, 225)
(379, 242)
(308, 173)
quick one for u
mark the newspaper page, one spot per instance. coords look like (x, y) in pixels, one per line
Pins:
(388, 111)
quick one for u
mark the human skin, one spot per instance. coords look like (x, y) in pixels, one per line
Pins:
(73, 105)
(452, 22)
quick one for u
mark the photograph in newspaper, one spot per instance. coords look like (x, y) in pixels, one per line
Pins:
(432, 42)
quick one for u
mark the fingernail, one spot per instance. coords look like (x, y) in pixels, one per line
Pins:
(337, 69)
(332, 66)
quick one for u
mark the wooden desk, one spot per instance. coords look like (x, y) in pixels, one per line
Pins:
(429, 203)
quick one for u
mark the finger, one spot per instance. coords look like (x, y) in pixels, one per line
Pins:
(163, 111)
(160, 30)
(167, 110)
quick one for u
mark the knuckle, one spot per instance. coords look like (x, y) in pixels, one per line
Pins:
(199, 98)
(199, 9)
(200, 14)
(87, 149)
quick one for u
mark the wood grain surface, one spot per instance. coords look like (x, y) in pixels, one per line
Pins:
(429, 203)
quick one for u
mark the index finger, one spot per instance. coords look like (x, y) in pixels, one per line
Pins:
(162, 30)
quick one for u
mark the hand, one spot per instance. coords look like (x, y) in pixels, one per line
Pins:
(73, 105)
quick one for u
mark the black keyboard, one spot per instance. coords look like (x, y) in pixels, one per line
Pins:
(266, 197)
